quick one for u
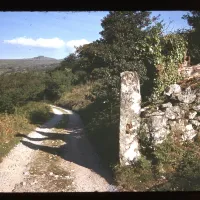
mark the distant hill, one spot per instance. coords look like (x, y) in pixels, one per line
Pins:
(42, 58)
(36, 63)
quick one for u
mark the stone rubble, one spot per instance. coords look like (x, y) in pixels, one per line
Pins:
(181, 116)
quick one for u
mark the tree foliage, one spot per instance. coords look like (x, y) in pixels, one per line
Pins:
(193, 19)
(118, 50)
(16, 89)
(130, 41)
(57, 82)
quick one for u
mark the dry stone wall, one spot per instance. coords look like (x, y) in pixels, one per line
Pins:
(179, 115)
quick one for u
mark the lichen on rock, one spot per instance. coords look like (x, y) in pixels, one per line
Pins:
(130, 106)
(178, 115)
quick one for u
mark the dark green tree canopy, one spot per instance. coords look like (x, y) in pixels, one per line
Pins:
(193, 19)
(122, 24)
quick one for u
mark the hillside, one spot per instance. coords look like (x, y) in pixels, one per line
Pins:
(36, 63)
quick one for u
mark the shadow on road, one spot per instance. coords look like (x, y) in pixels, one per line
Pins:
(76, 149)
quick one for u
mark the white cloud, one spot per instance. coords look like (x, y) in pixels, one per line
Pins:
(75, 43)
(47, 43)
(40, 42)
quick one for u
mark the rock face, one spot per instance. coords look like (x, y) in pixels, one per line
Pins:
(129, 118)
(156, 127)
(173, 112)
(190, 133)
(192, 115)
(174, 89)
(196, 108)
(180, 117)
(166, 105)
(188, 96)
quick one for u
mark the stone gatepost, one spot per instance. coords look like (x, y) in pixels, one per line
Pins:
(130, 106)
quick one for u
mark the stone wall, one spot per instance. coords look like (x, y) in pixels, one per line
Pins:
(179, 115)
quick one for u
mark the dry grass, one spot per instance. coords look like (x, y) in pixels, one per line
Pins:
(19, 122)
(78, 98)
(193, 82)
(9, 126)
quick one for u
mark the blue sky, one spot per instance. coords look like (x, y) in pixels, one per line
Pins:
(54, 34)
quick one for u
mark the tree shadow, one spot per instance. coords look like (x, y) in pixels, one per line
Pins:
(148, 85)
(104, 138)
(76, 149)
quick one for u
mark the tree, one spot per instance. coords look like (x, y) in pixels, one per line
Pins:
(122, 47)
(193, 19)
(57, 82)
(18, 88)
(68, 62)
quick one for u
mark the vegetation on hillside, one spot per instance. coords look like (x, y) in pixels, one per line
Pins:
(131, 41)
(17, 89)
(39, 63)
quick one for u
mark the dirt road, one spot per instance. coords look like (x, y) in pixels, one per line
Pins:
(54, 159)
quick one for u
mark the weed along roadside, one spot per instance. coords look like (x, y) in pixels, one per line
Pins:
(23, 120)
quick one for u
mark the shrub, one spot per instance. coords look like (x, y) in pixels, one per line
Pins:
(36, 113)
(138, 177)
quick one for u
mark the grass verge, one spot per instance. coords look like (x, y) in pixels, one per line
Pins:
(76, 99)
(24, 120)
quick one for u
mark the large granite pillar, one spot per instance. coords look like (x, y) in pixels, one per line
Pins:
(130, 106)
